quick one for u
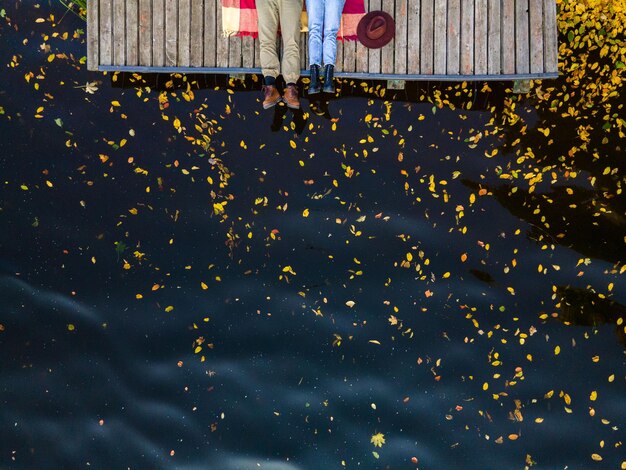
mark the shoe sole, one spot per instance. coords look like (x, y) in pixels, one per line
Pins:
(271, 105)
(291, 105)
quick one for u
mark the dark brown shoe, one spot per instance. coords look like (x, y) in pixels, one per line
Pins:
(291, 97)
(271, 96)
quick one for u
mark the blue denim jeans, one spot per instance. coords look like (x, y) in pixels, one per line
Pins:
(324, 17)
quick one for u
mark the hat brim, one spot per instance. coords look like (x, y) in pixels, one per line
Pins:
(361, 30)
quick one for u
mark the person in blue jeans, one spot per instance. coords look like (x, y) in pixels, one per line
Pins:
(324, 20)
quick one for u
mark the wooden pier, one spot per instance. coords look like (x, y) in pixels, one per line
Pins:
(434, 40)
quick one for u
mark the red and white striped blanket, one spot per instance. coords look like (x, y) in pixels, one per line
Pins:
(239, 18)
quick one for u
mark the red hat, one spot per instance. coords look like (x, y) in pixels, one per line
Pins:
(376, 29)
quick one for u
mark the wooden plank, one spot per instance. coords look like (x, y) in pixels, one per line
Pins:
(247, 51)
(132, 32)
(427, 37)
(339, 58)
(467, 37)
(184, 33)
(171, 32)
(145, 32)
(495, 41)
(234, 51)
(387, 53)
(536, 36)
(119, 32)
(550, 39)
(197, 33)
(413, 37)
(522, 40)
(362, 54)
(508, 36)
(304, 47)
(374, 54)
(221, 51)
(453, 61)
(349, 56)
(210, 33)
(402, 30)
(440, 49)
(257, 53)
(481, 46)
(158, 33)
(93, 36)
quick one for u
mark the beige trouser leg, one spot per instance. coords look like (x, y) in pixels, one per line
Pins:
(287, 13)
(267, 11)
(290, 11)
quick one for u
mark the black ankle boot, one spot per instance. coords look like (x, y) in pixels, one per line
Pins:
(315, 86)
(329, 84)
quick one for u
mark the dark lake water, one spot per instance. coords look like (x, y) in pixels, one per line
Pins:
(371, 272)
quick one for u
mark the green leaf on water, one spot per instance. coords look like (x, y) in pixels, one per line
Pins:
(59, 122)
(375, 454)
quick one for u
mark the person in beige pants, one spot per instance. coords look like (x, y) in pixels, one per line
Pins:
(287, 13)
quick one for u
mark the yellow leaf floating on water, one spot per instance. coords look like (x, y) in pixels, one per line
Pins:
(378, 439)
(350, 303)
(593, 395)
(305, 213)
(169, 308)
(557, 350)
(204, 286)
(596, 457)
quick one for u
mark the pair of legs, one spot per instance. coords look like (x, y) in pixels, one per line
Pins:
(271, 14)
(324, 22)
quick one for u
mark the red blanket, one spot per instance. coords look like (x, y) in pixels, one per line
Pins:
(239, 17)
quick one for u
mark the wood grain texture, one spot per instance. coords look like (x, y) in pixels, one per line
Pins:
(413, 37)
(222, 42)
(349, 56)
(481, 31)
(467, 37)
(536, 36)
(494, 41)
(171, 33)
(440, 52)
(387, 52)
(145, 32)
(132, 32)
(93, 35)
(442, 37)
(184, 33)
(234, 51)
(508, 36)
(247, 52)
(119, 32)
(362, 55)
(374, 54)
(522, 37)
(550, 39)
(197, 33)
(402, 30)
(453, 62)
(427, 37)
(210, 33)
